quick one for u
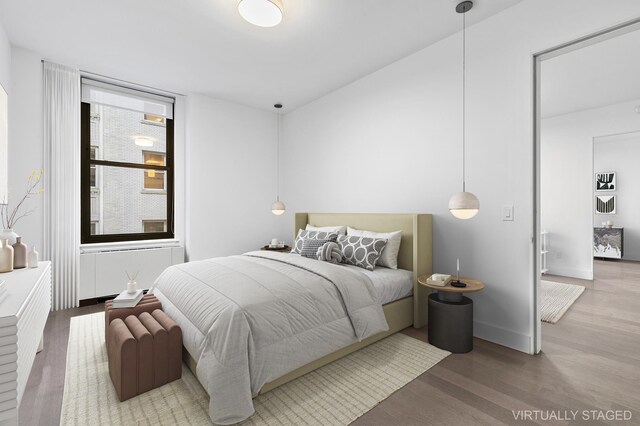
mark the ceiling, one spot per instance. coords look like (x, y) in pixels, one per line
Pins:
(204, 46)
(598, 75)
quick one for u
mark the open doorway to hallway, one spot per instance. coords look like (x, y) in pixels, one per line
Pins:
(589, 184)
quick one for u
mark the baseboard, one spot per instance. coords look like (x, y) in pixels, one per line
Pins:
(572, 273)
(504, 337)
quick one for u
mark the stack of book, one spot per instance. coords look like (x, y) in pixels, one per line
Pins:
(127, 300)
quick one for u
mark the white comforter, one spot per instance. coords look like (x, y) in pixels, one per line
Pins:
(250, 319)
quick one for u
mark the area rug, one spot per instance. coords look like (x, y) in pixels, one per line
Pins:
(557, 298)
(335, 394)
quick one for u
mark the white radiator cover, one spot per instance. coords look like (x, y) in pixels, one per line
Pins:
(103, 273)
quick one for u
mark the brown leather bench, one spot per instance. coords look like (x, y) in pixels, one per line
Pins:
(145, 352)
(148, 303)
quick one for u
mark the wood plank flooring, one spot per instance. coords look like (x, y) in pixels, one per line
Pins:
(590, 360)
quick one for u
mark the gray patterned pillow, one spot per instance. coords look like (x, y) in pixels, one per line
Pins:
(310, 248)
(311, 235)
(361, 251)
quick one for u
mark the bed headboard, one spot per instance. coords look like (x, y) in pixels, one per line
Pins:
(415, 249)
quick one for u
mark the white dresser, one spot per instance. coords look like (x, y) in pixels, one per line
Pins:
(24, 309)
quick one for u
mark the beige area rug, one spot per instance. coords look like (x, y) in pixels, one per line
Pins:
(335, 394)
(557, 298)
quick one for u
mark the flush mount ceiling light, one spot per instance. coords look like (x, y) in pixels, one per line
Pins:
(143, 141)
(278, 206)
(464, 205)
(263, 13)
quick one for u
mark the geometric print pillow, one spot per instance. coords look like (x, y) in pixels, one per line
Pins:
(312, 235)
(361, 251)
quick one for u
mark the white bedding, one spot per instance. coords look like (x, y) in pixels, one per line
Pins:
(390, 284)
(250, 319)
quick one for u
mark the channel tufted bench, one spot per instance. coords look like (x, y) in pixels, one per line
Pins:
(148, 303)
(145, 352)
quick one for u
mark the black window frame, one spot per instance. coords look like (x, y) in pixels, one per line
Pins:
(85, 189)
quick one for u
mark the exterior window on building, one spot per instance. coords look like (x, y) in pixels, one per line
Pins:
(151, 226)
(92, 171)
(153, 179)
(153, 119)
(126, 164)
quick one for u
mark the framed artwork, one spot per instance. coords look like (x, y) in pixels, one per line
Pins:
(605, 204)
(606, 181)
(4, 146)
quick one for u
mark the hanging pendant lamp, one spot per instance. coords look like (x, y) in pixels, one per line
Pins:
(278, 206)
(464, 205)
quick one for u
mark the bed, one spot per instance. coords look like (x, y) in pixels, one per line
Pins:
(254, 322)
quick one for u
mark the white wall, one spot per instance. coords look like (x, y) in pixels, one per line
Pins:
(620, 154)
(25, 139)
(5, 60)
(232, 178)
(391, 140)
(567, 182)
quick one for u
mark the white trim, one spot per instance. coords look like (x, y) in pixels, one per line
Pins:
(502, 336)
(582, 274)
(128, 245)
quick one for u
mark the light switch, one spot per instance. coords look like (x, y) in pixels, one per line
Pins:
(507, 213)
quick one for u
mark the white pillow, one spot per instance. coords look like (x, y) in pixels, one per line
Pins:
(341, 230)
(389, 257)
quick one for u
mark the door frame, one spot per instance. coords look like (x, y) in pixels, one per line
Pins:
(538, 58)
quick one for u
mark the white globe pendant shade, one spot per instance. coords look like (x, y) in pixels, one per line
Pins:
(464, 205)
(263, 13)
(278, 207)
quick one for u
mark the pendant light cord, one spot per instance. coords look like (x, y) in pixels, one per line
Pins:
(278, 160)
(464, 90)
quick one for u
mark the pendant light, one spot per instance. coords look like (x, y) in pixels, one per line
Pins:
(278, 206)
(262, 13)
(464, 205)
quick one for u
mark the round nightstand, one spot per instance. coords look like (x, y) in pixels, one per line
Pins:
(285, 249)
(450, 315)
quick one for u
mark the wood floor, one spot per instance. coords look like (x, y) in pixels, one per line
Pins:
(590, 360)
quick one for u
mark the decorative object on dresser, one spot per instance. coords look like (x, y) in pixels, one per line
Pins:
(606, 181)
(11, 216)
(6, 256)
(464, 205)
(9, 235)
(32, 258)
(132, 285)
(23, 313)
(19, 254)
(145, 352)
(608, 242)
(451, 315)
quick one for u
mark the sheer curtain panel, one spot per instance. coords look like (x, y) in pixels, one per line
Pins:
(62, 181)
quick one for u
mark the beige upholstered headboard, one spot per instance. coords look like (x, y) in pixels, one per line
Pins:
(415, 249)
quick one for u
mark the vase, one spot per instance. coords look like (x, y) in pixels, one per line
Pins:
(19, 254)
(33, 258)
(6, 256)
(8, 234)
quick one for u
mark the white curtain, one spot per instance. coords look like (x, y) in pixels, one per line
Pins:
(62, 181)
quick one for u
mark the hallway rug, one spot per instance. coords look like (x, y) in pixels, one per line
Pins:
(556, 299)
(335, 394)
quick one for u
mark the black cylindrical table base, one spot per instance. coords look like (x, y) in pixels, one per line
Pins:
(451, 324)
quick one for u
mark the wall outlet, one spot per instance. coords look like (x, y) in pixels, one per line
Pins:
(507, 213)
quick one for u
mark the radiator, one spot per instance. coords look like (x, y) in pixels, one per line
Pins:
(104, 273)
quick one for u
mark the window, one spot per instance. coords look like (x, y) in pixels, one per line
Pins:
(150, 226)
(126, 164)
(153, 179)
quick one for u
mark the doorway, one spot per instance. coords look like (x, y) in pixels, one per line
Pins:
(585, 95)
